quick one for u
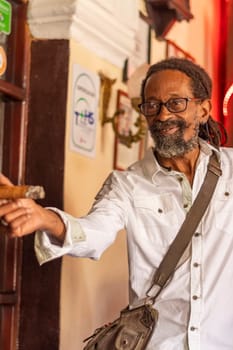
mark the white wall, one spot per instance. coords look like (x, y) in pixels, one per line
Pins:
(92, 292)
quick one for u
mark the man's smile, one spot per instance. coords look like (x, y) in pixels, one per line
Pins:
(169, 130)
(168, 127)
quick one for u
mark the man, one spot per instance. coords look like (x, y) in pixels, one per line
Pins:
(150, 200)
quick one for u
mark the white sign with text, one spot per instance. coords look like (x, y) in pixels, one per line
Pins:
(86, 86)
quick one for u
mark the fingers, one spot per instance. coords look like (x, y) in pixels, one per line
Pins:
(24, 216)
(17, 217)
(8, 206)
(4, 180)
(14, 216)
(19, 227)
(4, 201)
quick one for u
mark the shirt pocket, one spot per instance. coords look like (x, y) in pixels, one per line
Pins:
(223, 208)
(162, 207)
(157, 213)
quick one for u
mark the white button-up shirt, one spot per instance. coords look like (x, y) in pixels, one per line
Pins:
(196, 307)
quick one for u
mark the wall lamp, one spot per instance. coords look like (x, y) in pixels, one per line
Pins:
(162, 14)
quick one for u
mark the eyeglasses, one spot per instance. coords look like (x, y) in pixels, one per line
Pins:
(173, 105)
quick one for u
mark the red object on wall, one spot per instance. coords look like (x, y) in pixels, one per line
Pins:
(227, 100)
(228, 87)
(223, 57)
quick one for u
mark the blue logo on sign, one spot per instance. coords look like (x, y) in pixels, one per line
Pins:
(83, 115)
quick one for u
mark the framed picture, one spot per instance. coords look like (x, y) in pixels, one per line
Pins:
(142, 49)
(173, 50)
(124, 155)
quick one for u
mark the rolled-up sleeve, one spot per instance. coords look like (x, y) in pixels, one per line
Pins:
(46, 246)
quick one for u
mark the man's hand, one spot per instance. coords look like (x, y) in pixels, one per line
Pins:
(5, 181)
(23, 216)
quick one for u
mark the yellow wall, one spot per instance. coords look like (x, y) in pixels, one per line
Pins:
(93, 292)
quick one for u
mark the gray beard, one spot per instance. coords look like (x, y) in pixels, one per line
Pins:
(173, 145)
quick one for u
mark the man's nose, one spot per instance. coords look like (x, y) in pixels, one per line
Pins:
(163, 113)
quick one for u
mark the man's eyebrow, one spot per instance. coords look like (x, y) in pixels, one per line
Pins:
(153, 98)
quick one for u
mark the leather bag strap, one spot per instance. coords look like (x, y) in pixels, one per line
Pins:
(183, 237)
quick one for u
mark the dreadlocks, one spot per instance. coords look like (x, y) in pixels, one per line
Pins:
(201, 84)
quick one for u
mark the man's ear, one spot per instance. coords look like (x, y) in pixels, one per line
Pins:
(206, 107)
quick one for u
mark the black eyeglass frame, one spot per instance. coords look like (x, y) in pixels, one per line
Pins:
(166, 104)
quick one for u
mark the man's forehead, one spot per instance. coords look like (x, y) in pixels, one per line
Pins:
(168, 79)
(172, 73)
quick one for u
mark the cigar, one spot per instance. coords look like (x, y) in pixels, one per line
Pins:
(23, 191)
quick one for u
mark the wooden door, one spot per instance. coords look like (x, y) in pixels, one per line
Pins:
(33, 94)
(14, 54)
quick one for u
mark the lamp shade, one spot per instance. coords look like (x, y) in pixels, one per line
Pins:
(135, 80)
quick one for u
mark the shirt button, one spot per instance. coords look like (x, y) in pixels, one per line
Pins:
(180, 179)
(186, 205)
(227, 194)
(197, 234)
(196, 264)
(160, 210)
(192, 328)
(195, 297)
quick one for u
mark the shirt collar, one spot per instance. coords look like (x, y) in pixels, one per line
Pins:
(151, 167)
